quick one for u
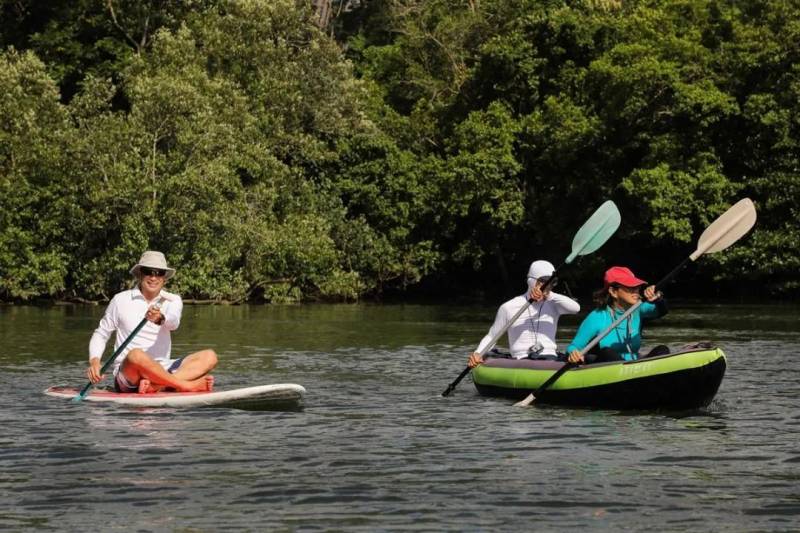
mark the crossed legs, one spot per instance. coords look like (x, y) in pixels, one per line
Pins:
(192, 376)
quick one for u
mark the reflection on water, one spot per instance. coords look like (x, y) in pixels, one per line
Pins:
(138, 427)
(377, 448)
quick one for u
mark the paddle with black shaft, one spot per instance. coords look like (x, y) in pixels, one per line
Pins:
(592, 235)
(731, 226)
(82, 394)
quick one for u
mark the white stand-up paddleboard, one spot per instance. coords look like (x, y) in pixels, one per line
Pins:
(261, 397)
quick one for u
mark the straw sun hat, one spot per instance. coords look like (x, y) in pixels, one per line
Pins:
(151, 259)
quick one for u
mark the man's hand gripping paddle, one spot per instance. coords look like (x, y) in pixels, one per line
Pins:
(85, 390)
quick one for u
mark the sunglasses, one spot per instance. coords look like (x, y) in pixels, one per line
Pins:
(157, 272)
(544, 279)
(625, 289)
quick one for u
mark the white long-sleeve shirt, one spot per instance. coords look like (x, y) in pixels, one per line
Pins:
(124, 313)
(536, 325)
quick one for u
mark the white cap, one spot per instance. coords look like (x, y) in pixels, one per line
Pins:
(540, 269)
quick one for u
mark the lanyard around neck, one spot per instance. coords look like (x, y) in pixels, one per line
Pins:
(536, 347)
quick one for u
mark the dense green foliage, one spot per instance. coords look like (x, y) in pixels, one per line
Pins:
(412, 144)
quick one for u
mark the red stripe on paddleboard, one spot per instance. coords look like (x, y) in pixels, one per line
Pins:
(111, 394)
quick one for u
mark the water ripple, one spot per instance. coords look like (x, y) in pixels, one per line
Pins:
(376, 447)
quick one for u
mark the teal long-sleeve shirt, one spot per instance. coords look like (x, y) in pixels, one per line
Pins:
(626, 338)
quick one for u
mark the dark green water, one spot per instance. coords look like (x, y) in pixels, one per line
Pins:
(377, 448)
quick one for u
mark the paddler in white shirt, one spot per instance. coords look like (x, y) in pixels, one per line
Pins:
(145, 365)
(533, 334)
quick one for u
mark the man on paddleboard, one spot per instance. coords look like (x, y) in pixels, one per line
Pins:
(145, 365)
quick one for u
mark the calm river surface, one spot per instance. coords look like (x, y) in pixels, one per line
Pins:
(376, 448)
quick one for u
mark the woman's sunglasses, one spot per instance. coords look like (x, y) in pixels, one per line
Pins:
(630, 290)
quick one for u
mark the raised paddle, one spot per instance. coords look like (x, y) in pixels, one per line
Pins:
(731, 226)
(82, 394)
(592, 235)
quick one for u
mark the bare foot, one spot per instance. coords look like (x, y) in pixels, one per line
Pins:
(147, 387)
(203, 384)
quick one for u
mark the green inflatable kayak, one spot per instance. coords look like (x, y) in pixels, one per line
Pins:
(687, 379)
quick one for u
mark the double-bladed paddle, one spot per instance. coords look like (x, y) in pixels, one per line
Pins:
(592, 235)
(82, 394)
(731, 226)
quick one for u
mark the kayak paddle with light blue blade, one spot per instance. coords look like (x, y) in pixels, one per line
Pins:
(592, 235)
(596, 231)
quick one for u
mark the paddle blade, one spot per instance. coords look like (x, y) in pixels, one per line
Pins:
(731, 226)
(526, 401)
(595, 231)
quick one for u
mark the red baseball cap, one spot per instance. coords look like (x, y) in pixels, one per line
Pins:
(622, 276)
